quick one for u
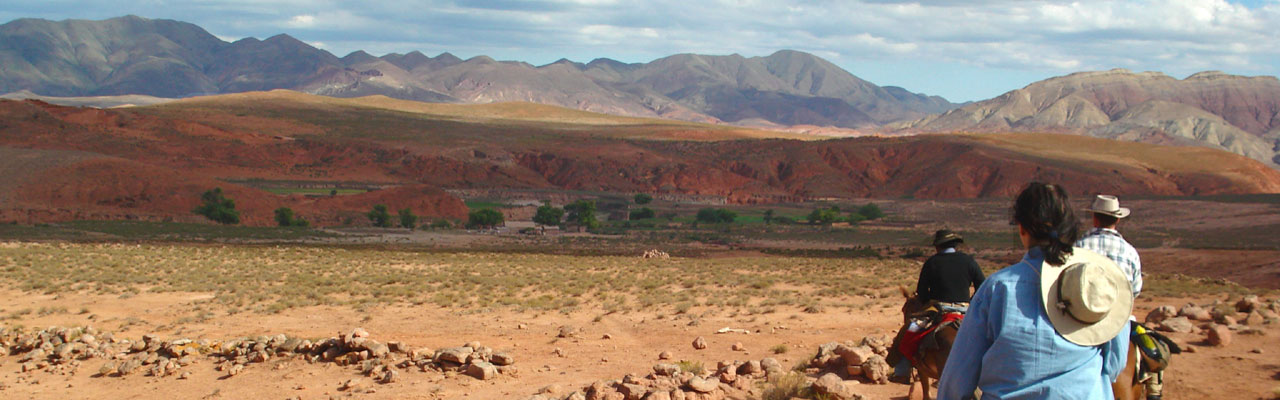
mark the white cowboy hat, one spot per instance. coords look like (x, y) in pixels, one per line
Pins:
(1109, 205)
(1087, 298)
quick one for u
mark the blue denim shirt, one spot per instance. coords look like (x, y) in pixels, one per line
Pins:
(1007, 347)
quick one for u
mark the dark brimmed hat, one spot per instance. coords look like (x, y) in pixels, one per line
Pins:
(946, 236)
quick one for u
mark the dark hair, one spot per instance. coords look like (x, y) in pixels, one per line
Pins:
(1105, 220)
(1043, 210)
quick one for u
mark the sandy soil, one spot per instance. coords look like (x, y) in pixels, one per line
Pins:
(1247, 368)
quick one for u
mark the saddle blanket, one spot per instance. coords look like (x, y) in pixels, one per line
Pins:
(911, 340)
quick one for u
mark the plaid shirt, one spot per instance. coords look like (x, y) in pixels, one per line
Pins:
(1109, 243)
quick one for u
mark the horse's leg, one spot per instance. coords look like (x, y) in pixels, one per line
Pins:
(911, 387)
(924, 385)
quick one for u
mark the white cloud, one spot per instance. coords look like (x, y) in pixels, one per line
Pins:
(302, 21)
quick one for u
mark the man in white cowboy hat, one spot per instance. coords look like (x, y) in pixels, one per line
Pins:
(1104, 239)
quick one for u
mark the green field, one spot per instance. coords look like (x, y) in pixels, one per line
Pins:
(315, 191)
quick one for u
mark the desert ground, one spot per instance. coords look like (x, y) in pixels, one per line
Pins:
(567, 321)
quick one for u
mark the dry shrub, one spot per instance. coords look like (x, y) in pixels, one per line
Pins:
(785, 387)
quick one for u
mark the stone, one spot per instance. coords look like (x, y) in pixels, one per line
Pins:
(1195, 312)
(1255, 318)
(502, 359)
(831, 386)
(185, 375)
(552, 389)
(1176, 324)
(607, 336)
(699, 343)
(353, 385)
(235, 370)
(771, 365)
(854, 355)
(738, 347)
(700, 385)
(1219, 335)
(389, 376)
(129, 366)
(751, 367)
(454, 354)
(666, 369)
(633, 391)
(482, 370)
(377, 350)
(659, 395)
(359, 333)
(567, 332)
(666, 355)
(1248, 304)
(1159, 314)
(876, 369)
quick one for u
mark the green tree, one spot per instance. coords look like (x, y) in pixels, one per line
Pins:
(642, 213)
(216, 207)
(768, 216)
(582, 213)
(870, 211)
(379, 216)
(548, 215)
(823, 216)
(716, 216)
(407, 219)
(285, 217)
(643, 198)
(484, 218)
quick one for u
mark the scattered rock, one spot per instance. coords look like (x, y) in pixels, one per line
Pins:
(1219, 335)
(567, 332)
(1195, 312)
(1158, 315)
(666, 355)
(353, 385)
(771, 365)
(502, 359)
(702, 385)
(1255, 318)
(833, 387)
(876, 369)
(699, 343)
(1248, 304)
(1177, 324)
(482, 370)
(738, 347)
(666, 369)
(854, 355)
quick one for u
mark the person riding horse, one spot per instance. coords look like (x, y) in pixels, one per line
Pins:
(945, 280)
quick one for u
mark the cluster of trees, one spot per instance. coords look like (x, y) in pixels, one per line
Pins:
(380, 216)
(581, 214)
(716, 216)
(285, 217)
(218, 208)
(828, 216)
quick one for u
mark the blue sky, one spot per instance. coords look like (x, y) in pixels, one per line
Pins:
(960, 49)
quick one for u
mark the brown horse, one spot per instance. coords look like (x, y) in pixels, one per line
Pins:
(928, 363)
(1128, 385)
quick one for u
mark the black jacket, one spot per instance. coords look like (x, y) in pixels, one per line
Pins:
(946, 277)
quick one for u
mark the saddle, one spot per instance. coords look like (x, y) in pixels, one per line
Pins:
(1156, 349)
(929, 319)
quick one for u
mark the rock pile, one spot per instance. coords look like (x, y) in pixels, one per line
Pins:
(863, 360)
(1216, 320)
(667, 381)
(59, 349)
(655, 253)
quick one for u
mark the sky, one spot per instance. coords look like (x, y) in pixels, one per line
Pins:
(964, 50)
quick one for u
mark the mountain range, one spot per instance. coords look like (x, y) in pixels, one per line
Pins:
(164, 58)
(171, 59)
(1229, 112)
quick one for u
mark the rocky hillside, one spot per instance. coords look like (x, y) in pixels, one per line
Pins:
(153, 162)
(163, 58)
(1234, 113)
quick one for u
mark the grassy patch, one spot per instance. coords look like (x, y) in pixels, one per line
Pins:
(277, 278)
(313, 191)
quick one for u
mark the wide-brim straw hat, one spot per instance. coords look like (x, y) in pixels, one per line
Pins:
(1087, 298)
(1109, 205)
(946, 236)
